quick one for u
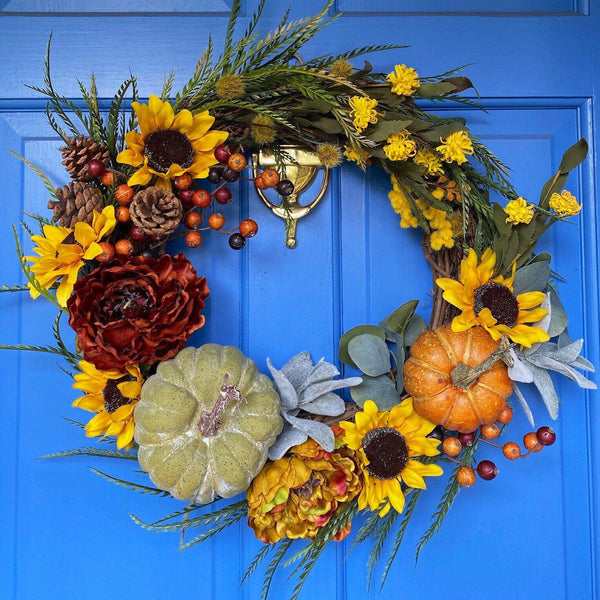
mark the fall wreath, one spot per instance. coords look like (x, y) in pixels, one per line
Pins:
(204, 423)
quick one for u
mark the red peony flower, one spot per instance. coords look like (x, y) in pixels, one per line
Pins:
(136, 311)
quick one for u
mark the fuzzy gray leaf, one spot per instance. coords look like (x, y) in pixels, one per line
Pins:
(546, 362)
(379, 389)
(519, 370)
(324, 387)
(584, 363)
(286, 391)
(322, 371)
(330, 405)
(567, 354)
(285, 440)
(524, 405)
(544, 384)
(298, 369)
(370, 354)
(321, 433)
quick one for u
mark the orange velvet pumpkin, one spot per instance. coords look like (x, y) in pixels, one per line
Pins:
(427, 378)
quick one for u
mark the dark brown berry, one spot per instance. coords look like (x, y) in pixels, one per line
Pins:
(223, 152)
(187, 196)
(223, 195)
(466, 476)
(487, 470)
(137, 234)
(437, 433)
(511, 450)
(230, 175)
(96, 168)
(215, 174)
(546, 436)
(285, 187)
(237, 241)
(467, 439)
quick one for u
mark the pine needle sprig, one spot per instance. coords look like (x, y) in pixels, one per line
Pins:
(115, 129)
(50, 188)
(321, 62)
(94, 122)
(223, 522)
(91, 451)
(181, 513)
(380, 536)
(17, 287)
(136, 487)
(271, 569)
(257, 561)
(72, 358)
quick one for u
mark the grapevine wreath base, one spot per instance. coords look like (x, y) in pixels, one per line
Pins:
(205, 423)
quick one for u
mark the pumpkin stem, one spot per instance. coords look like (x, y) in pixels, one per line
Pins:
(464, 376)
(210, 422)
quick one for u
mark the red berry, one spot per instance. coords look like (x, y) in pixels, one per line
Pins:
(530, 441)
(452, 446)
(193, 239)
(270, 177)
(490, 431)
(505, 416)
(137, 234)
(202, 198)
(183, 182)
(223, 195)
(248, 228)
(124, 194)
(124, 248)
(466, 476)
(511, 450)
(223, 152)
(237, 162)
(216, 221)
(122, 214)
(467, 439)
(95, 168)
(192, 220)
(546, 436)
(487, 470)
(108, 252)
(187, 196)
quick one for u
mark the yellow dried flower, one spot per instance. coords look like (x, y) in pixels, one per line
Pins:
(361, 157)
(455, 147)
(329, 155)
(564, 204)
(341, 68)
(401, 205)
(404, 80)
(399, 146)
(430, 160)
(442, 238)
(519, 211)
(230, 87)
(263, 130)
(363, 112)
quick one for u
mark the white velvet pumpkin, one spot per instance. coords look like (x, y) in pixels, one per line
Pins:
(174, 450)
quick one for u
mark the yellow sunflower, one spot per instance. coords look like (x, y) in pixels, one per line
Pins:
(112, 395)
(169, 144)
(387, 443)
(62, 252)
(489, 302)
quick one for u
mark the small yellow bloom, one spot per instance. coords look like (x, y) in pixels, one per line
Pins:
(442, 238)
(430, 160)
(519, 211)
(404, 80)
(564, 204)
(399, 146)
(401, 205)
(62, 252)
(361, 157)
(112, 395)
(455, 147)
(363, 112)
(388, 443)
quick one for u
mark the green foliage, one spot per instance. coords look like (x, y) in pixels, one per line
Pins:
(91, 451)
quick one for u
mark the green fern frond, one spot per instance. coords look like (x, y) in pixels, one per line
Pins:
(17, 287)
(380, 536)
(136, 487)
(91, 452)
(271, 569)
(257, 561)
(45, 179)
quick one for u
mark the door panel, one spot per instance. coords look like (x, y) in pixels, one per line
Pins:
(66, 533)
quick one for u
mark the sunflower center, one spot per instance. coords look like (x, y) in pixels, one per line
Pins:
(500, 300)
(113, 398)
(386, 451)
(165, 147)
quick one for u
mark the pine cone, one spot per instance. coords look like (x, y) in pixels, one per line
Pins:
(156, 211)
(76, 203)
(79, 152)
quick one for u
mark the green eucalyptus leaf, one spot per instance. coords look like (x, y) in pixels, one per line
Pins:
(380, 390)
(400, 358)
(436, 89)
(384, 129)
(399, 319)
(414, 328)
(531, 278)
(558, 315)
(352, 333)
(370, 354)
(574, 156)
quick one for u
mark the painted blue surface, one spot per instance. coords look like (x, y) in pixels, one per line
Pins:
(65, 533)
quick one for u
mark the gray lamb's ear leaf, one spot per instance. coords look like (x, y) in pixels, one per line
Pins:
(324, 387)
(523, 403)
(379, 389)
(328, 404)
(584, 364)
(519, 370)
(564, 339)
(321, 433)
(286, 391)
(298, 368)
(322, 371)
(370, 354)
(546, 362)
(567, 354)
(285, 440)
(543, 383)
(532, 277)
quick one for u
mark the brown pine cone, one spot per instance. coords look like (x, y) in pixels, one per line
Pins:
(76, 203)
(156, 211)
(78, 153)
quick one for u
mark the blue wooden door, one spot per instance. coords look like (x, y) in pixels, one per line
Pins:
(532, 532)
